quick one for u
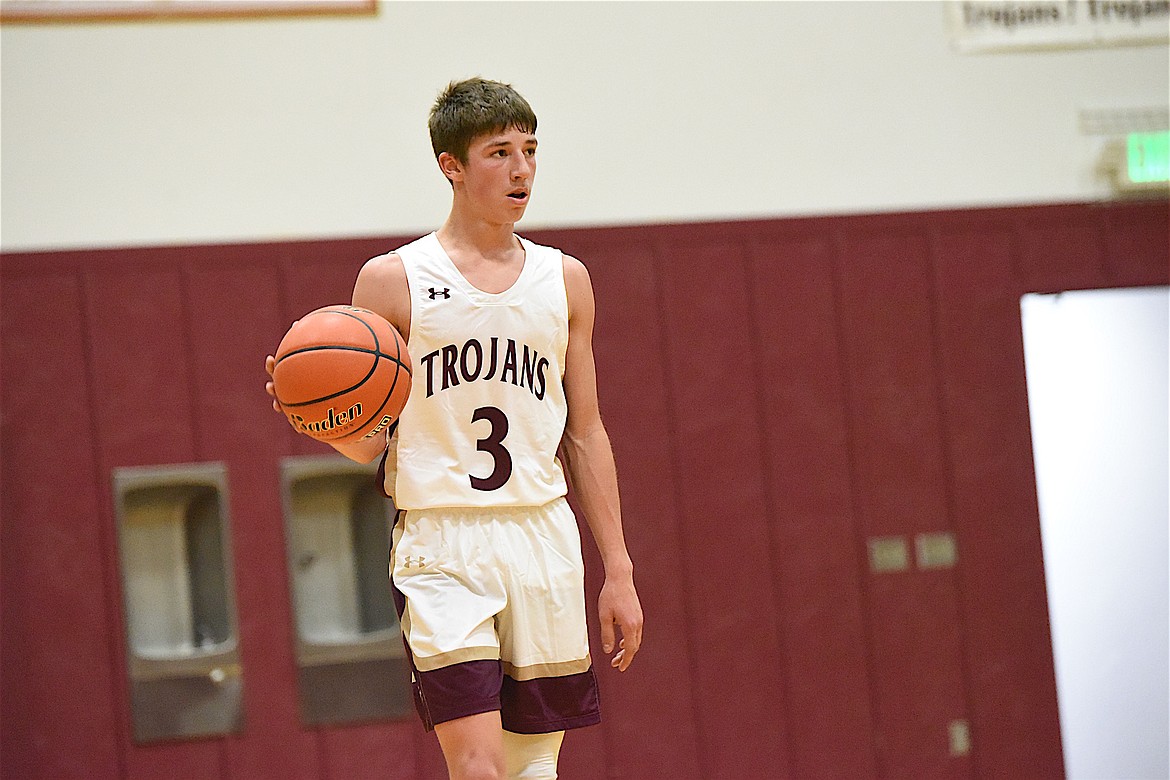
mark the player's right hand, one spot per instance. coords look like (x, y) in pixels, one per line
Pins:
(269, 365)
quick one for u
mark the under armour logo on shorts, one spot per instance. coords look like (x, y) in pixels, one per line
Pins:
(445, 292)
(413, 562)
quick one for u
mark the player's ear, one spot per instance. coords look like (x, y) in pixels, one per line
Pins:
(450, 166)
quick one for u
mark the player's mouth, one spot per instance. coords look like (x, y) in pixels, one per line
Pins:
(519, 196)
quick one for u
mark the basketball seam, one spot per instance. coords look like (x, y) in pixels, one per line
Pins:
(367, 350)
(351, 388)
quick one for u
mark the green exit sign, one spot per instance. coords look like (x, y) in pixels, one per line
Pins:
(1148, 157)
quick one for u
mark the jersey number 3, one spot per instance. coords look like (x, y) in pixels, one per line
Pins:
(492, 444)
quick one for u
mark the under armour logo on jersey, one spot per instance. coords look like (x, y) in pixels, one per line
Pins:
(445, 292)
(413, 562)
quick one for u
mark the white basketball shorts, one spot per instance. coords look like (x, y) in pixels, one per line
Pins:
(492, 605)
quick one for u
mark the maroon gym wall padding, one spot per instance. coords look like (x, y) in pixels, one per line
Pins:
(779, 394)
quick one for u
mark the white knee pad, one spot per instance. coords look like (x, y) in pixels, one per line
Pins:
(532, 756)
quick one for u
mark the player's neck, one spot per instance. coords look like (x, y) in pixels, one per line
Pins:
(489, 241)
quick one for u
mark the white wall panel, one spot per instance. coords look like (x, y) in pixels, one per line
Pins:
(180, 132)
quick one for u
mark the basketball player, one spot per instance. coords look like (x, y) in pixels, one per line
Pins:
(487, 558)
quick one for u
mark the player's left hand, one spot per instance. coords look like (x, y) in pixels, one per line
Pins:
(620, 612)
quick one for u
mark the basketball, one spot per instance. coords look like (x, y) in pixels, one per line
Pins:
(342, 374)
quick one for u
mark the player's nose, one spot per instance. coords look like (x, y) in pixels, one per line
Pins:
(521, 168)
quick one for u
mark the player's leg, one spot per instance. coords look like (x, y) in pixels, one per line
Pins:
(450, 635)
(473, 747)
(532, 756)
(548, 684)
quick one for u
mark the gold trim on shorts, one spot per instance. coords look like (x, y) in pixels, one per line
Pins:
(460, 656)
(535, 671)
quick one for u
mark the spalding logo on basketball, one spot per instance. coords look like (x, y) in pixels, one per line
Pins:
(342, 374)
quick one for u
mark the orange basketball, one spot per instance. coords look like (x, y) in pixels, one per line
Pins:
(342, 374)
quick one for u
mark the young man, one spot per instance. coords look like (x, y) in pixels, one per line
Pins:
(487, 557)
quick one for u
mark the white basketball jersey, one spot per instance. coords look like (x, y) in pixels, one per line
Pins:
(487, 403)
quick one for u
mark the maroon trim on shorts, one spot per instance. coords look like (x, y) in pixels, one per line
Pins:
(457, 691)
(537, 706)
(549, 704)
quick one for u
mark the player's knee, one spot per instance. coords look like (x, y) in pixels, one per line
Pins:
(476, 765)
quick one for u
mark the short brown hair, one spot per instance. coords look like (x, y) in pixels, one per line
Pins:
(473, 107)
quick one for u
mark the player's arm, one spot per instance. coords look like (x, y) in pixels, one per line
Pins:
(588, 457)
(381, 287)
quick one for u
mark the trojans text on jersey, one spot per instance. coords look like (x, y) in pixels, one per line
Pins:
(519, 364)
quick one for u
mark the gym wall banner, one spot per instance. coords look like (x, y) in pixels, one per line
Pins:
(995, 25)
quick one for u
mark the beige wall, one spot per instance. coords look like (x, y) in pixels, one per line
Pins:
(196, 132)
